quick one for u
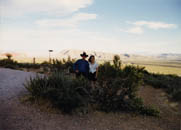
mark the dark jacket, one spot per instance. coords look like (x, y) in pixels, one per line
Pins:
(82, 66)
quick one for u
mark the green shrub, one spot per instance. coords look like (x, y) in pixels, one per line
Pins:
(37, 86)
(107, 72)
(10, 66)
(57, 65)
(28, 65)
(8, 63)
(116, 90)
(62, 65)
(4, 62)
(177, 95)
(136, 105)
(119, 91)
(117, 62)
(170, 83)
(64, 92)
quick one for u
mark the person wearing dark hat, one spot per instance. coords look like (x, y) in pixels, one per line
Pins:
(81, 66)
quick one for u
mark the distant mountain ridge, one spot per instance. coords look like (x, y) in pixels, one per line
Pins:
(170, 56)
(124, 56)
(99, 55)
(76, 54)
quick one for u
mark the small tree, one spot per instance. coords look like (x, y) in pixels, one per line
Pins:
(117, 61)
(8, 55)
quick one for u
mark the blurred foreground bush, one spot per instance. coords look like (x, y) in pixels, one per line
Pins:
(66, 93)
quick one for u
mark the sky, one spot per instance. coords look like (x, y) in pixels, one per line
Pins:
(117, 26)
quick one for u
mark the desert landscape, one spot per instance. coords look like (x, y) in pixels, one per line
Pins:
(19, 112)
(160, 63)
(90, 65)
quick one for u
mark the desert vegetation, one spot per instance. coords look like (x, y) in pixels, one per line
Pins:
(170, 83)
(44, 67)
(116, 89)
(8, 55)
(10, 63)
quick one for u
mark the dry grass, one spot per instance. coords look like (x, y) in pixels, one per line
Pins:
(162, 67)
(163, 70)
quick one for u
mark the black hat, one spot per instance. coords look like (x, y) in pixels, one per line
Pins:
(84, 54)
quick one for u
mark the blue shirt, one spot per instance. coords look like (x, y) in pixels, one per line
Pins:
(82, 66)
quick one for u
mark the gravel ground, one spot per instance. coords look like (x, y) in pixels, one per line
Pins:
(11, 83)
(17, 116)
(11, 87)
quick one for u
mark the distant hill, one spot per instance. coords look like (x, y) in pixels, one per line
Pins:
(99, 55)
(109, 56)
(170, 56)
(102, 56)
(76, 54)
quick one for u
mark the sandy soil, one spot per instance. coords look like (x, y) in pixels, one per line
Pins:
(17, 116)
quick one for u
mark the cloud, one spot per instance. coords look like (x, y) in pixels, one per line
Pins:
(69, 22)
(44, 7)
(154, 25)
(139, 26)
(134, 30)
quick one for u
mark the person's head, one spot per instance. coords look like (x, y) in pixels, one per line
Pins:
(84, 55)
(92, 59)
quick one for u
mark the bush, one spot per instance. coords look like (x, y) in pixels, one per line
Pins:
(4, 62)
(116, 90)
(9, 63)
(170, 83)
(10, 66)
(117, 62)
(136, 105)
(107, 72)
(29, 65)
(64, 92)
(56, 66)
(62, 65)
(119, 90)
